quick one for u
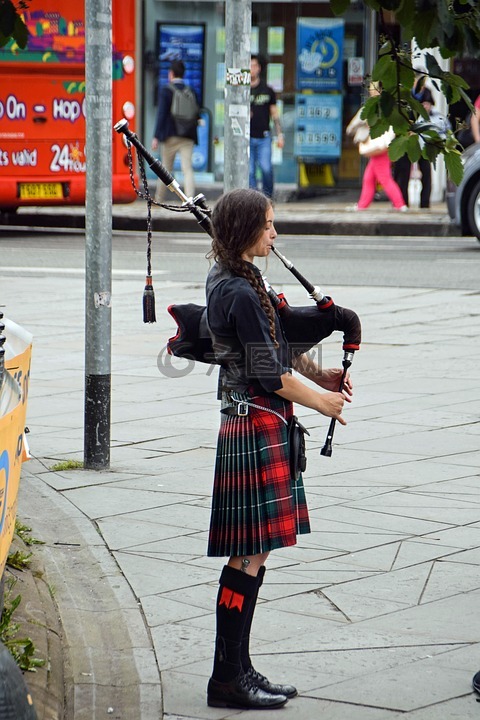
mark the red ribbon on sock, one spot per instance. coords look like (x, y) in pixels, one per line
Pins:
(231, 599)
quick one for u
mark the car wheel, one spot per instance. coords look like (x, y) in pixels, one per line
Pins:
(473, 210)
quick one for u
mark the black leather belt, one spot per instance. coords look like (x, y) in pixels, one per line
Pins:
(239, 410)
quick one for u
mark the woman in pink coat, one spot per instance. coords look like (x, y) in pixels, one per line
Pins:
(379, 166)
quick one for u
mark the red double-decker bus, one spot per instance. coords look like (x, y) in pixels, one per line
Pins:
(42, 106)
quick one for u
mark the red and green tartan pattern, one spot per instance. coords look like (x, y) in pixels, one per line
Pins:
(256, 506)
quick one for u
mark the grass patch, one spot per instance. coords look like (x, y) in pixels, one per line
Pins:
(23, 532)
(22, 649)
(67, 465)
(19, 560)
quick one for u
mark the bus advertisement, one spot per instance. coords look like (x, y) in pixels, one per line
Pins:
(42, 106)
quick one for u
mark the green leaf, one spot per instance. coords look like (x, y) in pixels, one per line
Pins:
(425, 24)
(374, 4)
(398, 147)
(386, 48)
(20, 33)
(406, 76)
(384, 70)
(339, 6)
(444, 29)
(399, 122)
(453, 163)
(431, 152)
(455, 80)
(370, 110)
(413, 148)
(380, 127)
(467, 99)
(8, 15)
(471, 41)
(387, 103)
(432, 65)
(425, 127)
(406, 12)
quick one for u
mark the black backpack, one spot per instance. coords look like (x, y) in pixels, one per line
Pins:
(184, 110)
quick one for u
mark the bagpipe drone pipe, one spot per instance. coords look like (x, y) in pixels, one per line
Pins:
(304, 326)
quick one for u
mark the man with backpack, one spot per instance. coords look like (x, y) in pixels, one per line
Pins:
(176, 127)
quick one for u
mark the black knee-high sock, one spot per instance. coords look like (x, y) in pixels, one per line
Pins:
(235, 595)
(245, 649)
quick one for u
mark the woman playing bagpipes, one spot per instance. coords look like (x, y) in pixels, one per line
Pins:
(258, 503)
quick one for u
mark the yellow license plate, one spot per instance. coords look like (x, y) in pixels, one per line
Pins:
(41, 191)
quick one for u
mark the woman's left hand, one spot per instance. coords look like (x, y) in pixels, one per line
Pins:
(330, 380)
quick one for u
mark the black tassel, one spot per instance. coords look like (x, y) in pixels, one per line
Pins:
(149, 302)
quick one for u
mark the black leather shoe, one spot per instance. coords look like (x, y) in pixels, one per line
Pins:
(242, 692)
(264, 684)
(476, 682)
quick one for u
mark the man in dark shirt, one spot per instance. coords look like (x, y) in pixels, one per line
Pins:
(263, 108)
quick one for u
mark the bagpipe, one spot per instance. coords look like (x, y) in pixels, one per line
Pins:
(304, 327)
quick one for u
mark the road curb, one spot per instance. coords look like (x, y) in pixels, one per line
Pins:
(288, 222)
(110, 668)
(39, 620)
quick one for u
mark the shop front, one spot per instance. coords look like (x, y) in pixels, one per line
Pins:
(315, 62)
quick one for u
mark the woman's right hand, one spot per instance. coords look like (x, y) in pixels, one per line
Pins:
(326, 403)
(331, 404)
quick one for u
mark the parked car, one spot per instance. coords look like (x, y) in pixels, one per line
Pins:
(463, 202)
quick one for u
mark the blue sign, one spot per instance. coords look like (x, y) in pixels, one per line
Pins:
(182, 42)
(4, 466)
(318, 126)
(319, 53)
(200, 150)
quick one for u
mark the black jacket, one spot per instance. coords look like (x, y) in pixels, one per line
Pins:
(240, 334)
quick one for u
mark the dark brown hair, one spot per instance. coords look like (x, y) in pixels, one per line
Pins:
(238, 220)
(178, 68)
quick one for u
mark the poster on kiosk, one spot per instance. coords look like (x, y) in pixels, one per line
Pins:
(319, 54)
(186, 41)
(319, 81)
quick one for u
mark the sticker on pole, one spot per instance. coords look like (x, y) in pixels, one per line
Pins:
(237, 76)
(102, 299)
(236, 127)
(240, 111)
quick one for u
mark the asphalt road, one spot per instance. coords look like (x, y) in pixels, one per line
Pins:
(448, 262)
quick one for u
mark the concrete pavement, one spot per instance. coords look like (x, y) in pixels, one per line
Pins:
(374, 616)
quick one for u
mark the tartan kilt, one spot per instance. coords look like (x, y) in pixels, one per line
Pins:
(256, 505)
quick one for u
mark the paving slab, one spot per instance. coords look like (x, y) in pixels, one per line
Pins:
(427, 683)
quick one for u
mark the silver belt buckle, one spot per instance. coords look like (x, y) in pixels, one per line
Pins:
(242, 409)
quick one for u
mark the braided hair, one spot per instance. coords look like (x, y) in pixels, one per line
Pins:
(238, 221)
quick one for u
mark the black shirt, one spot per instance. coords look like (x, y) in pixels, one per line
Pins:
(261, 97)
(241, 334)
